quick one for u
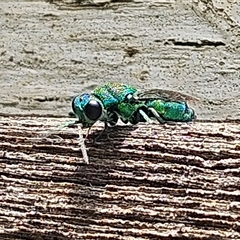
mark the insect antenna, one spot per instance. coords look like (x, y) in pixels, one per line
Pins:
(82, 144)
(56, 130)
(80, 139)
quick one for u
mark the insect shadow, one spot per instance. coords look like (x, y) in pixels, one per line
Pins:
(116, 133)
(107, 132)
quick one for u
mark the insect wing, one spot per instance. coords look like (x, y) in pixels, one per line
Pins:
(168, 105)
(165, 95)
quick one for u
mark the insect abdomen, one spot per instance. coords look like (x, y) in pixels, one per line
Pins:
(172, 110)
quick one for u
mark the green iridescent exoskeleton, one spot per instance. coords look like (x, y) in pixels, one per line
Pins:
(114, 101)
(167, 105)
(171, 111)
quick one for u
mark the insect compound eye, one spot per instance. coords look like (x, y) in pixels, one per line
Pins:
(93, 110)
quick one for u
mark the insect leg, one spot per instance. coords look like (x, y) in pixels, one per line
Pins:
(103, 131)
(145, 116)
(88, 132)
(110, 120)
(156, 115)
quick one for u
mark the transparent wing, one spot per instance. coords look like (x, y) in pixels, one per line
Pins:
(166, 95)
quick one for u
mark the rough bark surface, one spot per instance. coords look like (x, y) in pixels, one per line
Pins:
(143, 182)
(51, 52)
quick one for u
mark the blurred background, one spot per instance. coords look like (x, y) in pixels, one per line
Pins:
(51, 51)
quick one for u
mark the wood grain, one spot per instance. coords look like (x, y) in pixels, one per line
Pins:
(143, 182)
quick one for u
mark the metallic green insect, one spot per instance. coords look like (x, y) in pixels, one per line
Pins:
(114, 101)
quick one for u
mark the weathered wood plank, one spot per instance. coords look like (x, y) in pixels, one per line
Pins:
(144, 182)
